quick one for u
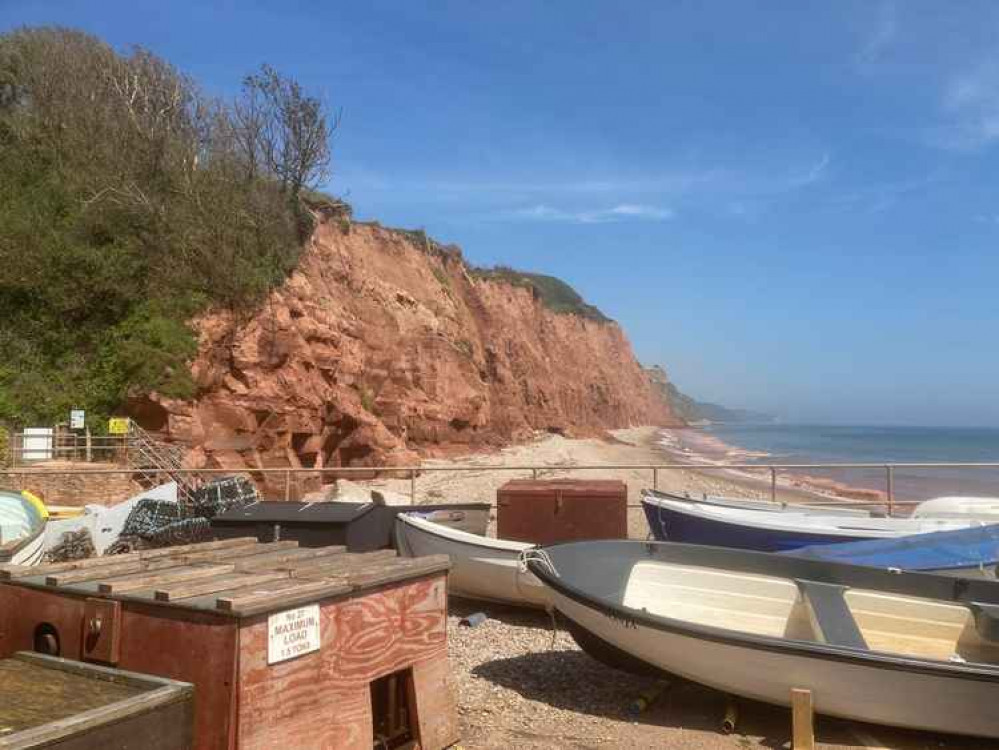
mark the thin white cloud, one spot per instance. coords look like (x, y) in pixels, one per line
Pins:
(620, 212)
(882, 35)
(813, 174)
(970, 109)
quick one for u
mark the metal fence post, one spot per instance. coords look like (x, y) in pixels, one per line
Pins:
(773, 484)
(655, 478)
(534, 473)
(412, 486)
(890, 481)
(287, 485)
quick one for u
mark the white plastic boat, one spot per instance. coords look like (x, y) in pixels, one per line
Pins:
(22, 529)
(481, 567)
(896, 648)
(956, 506)
(687, 520)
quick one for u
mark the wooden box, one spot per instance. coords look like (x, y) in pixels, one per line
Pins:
(55, 703)
(285, 646)
(561, 510)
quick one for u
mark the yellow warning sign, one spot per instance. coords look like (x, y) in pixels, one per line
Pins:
(118, 425)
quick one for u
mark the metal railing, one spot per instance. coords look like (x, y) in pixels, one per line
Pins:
(64, 446)
(193, 476)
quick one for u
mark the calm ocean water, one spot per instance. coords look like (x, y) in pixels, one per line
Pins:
(788, 443)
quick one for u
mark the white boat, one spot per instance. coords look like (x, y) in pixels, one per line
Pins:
(686, 520)
(952, 506)
(481, 567)
(956, 506)
(832, 508)
(22, 529)
(896, 648)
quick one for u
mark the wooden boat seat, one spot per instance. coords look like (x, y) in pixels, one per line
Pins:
(831, 618)
(986, 620)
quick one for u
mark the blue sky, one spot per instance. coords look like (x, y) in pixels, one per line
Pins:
(792, 206)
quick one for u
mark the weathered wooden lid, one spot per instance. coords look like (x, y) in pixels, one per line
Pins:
(236, 577)
(46, 700)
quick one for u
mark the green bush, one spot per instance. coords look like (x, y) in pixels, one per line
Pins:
(552, 292)
(130, 202)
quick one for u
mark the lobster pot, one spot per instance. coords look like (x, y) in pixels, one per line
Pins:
(561, 510)
(285, 646)
(66, 705)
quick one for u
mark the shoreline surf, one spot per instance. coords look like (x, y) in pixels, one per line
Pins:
(702, 445)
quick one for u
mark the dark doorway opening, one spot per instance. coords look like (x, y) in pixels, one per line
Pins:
(393, 711)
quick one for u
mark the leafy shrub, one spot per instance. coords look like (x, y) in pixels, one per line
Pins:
(130, 202)
(554, 293)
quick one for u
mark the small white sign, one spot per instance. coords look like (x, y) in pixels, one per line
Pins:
(76, 419)
(292, 633)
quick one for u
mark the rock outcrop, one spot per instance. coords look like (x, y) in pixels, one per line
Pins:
(382, 346)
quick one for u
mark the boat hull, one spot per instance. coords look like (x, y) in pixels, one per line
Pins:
(481, 568)
(669, 525)
(917, 698)
(30, 551)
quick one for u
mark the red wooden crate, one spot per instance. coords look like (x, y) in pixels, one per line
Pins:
(206, 614)
(561, 510)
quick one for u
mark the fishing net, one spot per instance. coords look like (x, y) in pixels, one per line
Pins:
(220, 495)
(72, 545)
(165, 523)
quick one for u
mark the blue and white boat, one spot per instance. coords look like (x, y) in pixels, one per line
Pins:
(774, 528)
(22, 528)
(969, 553)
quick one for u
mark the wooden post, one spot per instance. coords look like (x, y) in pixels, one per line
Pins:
(90, 448)
(287, 486)
(802, 732)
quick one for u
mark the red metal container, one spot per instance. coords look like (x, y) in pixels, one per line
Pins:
(561, 510)
(286, 647)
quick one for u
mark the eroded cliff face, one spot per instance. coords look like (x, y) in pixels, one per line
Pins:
(381, 347)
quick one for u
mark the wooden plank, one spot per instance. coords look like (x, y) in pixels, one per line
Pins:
(107, 571)
(265, 601)
(334, 563)
(200, 587)
(803, 732)
(12, 572)
(401, 571)
(147, 580)
(270, 561)
(349, 567)
(231, 553)
(183, 549)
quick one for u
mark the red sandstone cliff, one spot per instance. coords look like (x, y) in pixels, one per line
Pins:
(379, 346)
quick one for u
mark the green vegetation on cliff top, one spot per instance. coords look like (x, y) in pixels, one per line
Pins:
(130, 202)
(553, 293)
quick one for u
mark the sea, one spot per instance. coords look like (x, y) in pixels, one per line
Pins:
(803, 443)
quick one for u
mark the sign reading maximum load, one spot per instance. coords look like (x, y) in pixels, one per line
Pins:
(292, 633)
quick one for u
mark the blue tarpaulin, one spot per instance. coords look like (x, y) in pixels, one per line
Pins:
(940, 550)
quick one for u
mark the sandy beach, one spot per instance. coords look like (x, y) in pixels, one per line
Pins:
(476, 478)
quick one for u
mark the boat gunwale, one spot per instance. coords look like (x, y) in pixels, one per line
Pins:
(836, 528)
(9, 550)
(490, 542)
(979, 671)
